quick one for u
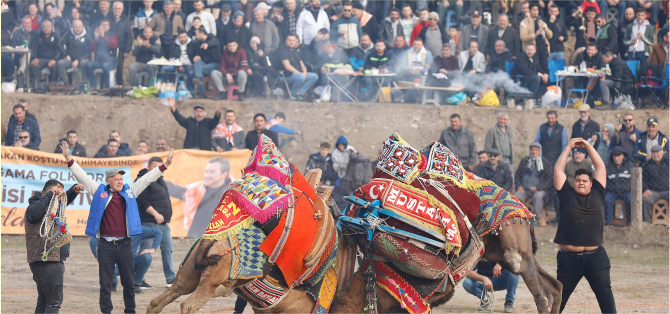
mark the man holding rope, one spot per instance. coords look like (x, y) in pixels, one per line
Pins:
(114, 217)
(47, 273)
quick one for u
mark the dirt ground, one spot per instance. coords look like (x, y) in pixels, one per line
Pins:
(639, 278)
(365, 125)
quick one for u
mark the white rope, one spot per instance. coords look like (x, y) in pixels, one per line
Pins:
(488, 299)
(47, 222)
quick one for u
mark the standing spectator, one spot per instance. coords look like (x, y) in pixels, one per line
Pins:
(21, 123)
(646, 141)
(207, 55)
(500, 56)
(433, 35)
(144, 16)
(502, 138)
(446, 62)
(102, 13)
(654, 180)
(639, 37)
(290, 16)
(46, 51)
(111, 151)
(35, 18)
(24, 140)
(471, 61)
(251, 139)
(310, 21)
(482, 157)
(198, 128)
(552, 136)
(391, 28)
(493, 170)
(114, 227)
(521, 11)
(206, 18)
(237, 30)
(585, 127)
(233, 67)
(76, 149)
(183, 49)
(247, 8)
(341, 156)
(419, 25)
(474, 31)
(659, 52)
(578, 161)
(606, 36)
(166, 26)
(124, 148)
(296, 73)
(461, 141)
(560, 34)
(646, 6)
(229, 135)
(618, 182)
(585, 26)
(265, 31)
(146, 48)
(155, 210)
(507, 34)
(103, 46)
(162, 144)
(346, 30)
(620, 77)
(626, 134)
(323, 160)
(223, 23)
(77, 52)
(533, 30)
(124, 36)
(489, 275)
(533, 178)
(369, 23)
(178, 11)
(408, 21)
(580, 229)
(629, 19)
(47, 273)
(29, 115)
(142, 148)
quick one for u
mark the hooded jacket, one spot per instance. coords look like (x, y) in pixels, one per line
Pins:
(306, 27)
(177, 48)
(618, 178)
(647, 40)
(155, 195)
(386, 31)
(354, 32)
(37, 207)
(77, 46)
(341, 158)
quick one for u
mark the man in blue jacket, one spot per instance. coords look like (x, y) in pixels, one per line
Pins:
(21, 123)
(648, 139)
(114, 218)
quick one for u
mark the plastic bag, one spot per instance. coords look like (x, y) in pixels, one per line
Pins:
(144, 93)
(552, 98)
(489, 99)
(9, 87)
(325, 94)
(453, 100)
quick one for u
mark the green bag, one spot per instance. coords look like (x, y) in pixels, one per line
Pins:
(150, 92)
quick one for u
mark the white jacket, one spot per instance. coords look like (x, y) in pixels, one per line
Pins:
(306, 27)
(478, 62)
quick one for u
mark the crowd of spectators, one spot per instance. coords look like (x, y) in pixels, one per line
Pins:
(302, 42)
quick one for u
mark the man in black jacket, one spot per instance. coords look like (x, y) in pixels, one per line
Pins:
(71, 138)
(207, 55)
(101, 13)
(46, 52)
(155, 212)
(48, 275)
(494, 171)
(552, 136)
(251, 139)
(77, 52)
(533, 179)
(223, 22)
(323, 160)
(618, 182)
(621, 78)
(124, 36)
(198, 128)
(532, 74)
(146, 48)
(557, 26)
(585, 127)
(500, 56)
(124, 148)
(654, 180)
(606, 35)
(509, 35)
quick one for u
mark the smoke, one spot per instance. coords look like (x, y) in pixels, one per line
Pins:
(481, 82)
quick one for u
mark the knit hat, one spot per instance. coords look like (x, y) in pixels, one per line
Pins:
(358, 5)
(237, 13)
(255, 39)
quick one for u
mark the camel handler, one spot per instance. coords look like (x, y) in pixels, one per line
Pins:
(114, 217)
(580, 228)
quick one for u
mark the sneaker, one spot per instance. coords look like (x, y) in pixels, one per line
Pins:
(509, 307)
(138, 290)
(145, 285)
(221, 96)
(113, 288)
(241, 96)
(483, 307)
(299, 98)
(197, 81)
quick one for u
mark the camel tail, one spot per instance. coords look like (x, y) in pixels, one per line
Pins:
(532, 237)
(202, 261)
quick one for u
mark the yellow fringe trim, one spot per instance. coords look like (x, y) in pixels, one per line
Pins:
(227, 233)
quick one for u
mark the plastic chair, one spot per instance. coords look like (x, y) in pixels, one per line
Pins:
(142, 76)
(449, 22)
(73, 71)
(555, 65)
(46, 72)
(231, 89)
(98, 77)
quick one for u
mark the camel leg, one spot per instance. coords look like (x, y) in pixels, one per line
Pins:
(199, 298)
(185, 282)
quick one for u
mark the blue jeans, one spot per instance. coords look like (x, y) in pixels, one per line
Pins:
(299, 84)
(506, 281)
(201, 69)
(166, 249)
(532, 82)
(7, 66)
(621, 7)
(141, 264)
(604, 6)
(93, 242)
(556, 55)
(583, 82)
(609, 204)
(639, 55)
(106, 67)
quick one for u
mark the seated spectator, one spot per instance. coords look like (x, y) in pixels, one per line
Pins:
(408, 21)
(166, 26)
(647, 140)
(77, 53)
(493, 170)
(433, 35)
(578, 161)
(237, 30)
(22, 123)
(461, 141)
(626, 135)
(229, 135)
(360, 53)
(144, 16)
(162, 144)
(482, 157)
(198, 128)
(331, 58)
(369, 23)
(590, 4)
(507, 34)
(146, 48)
(540, 35)
(419, 25)
(19, 37)
(142, 148)
(585, 127)
(251, 139)
(560, 33)
(24, 140)
(294, 68)
(474, 31)
(413, 63)
(399, 47)
(207, 56)
(527, 67)
(183, 49)
(111, 150)
(391, 28)
(593, 59)
(123, 148)
(553, 137)
(234, 68)
(446, 63)
(620, 74)
(499, 58)
(639, 37)
(618, 182)
(346, 31)
(654, 180)
(275, 125)
(491, 276)
(311, 20)
(646, 5)
(377, 60)
(258, 64)
(46, 51)
(585, 26)
(103, 47)
(323, 160)
(659, 52)
(76, 149)
(606, 36)
(265, 31)
(534, 178)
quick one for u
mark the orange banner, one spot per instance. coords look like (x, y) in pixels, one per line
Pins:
(196, 181)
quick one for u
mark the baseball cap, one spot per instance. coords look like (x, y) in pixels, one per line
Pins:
(476, 13)
(652, 121)
(433, 15)
(494, 151)
(226, 7)
(262, 6)
(112, 172)
(584, 107)
(579, 149)
(199, 107)
(656, 148)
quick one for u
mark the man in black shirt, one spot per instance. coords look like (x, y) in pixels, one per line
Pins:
(593, 59)
(490, 275)
(560, 34)
(294, 69)
(259, 128)
(527, 66)
(580, 229)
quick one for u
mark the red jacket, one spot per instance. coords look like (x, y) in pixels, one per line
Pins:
(233, 62)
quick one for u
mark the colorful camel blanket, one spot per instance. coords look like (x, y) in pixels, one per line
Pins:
(498, 205)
